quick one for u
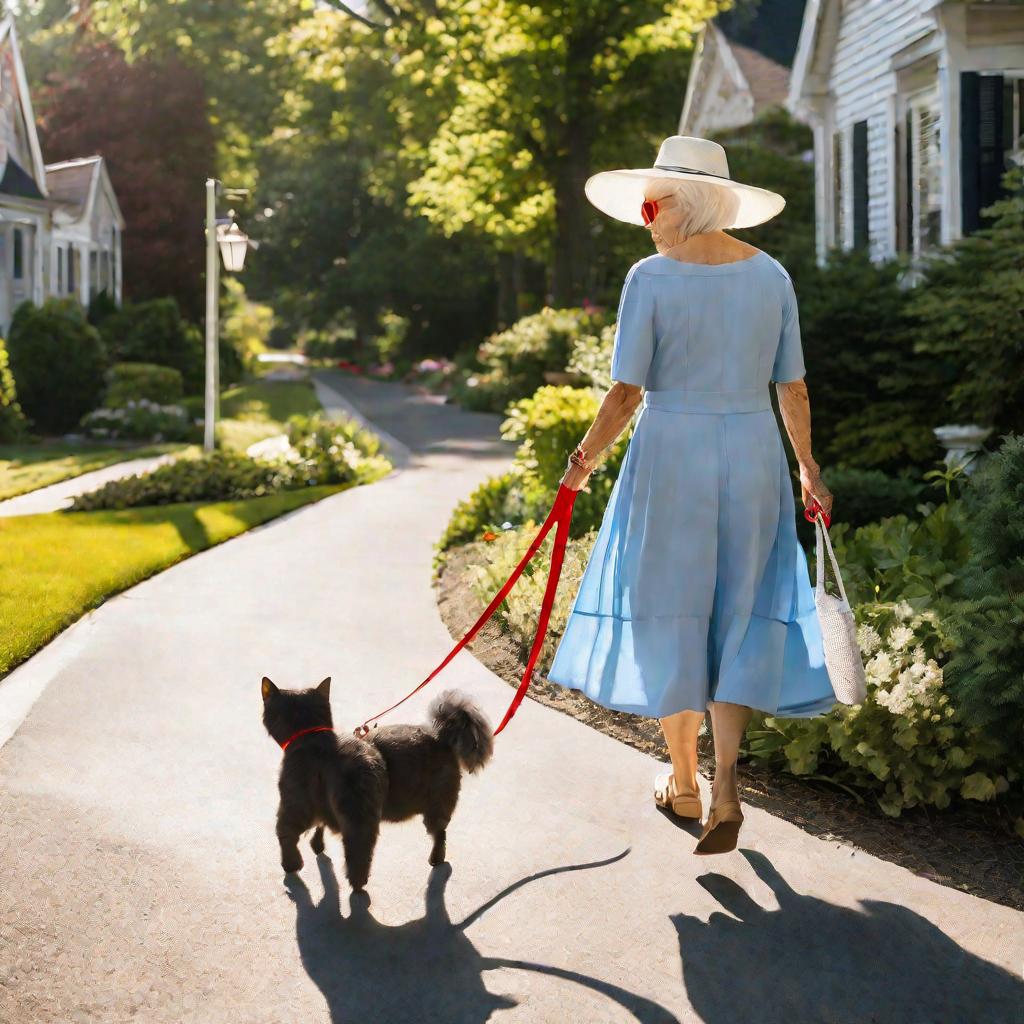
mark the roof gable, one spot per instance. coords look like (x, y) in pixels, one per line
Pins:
(18, 137)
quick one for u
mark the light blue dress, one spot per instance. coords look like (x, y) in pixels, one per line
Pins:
(697, 588)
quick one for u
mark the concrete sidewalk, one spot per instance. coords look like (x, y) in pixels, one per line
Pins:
(60, 495)
(141, 880)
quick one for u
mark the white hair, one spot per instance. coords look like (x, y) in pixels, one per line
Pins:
(704, 206)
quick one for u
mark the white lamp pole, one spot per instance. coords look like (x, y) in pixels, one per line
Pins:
(233, 243)
(212, 295)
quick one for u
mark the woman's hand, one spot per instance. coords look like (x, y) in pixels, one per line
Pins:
(812, 486)
(575, 478)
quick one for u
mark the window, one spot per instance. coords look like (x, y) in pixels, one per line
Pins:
(60, 269)
(838, 225)
(860, 185)
(93, 273)
(19, 254)
(924, 172)
(72, 269)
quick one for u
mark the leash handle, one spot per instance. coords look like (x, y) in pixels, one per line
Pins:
(560, 514)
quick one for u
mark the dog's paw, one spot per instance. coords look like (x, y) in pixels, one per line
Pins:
(317, 842)
(291, 864)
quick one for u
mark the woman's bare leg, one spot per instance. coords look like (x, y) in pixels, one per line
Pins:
(681, 736)
(728, 724)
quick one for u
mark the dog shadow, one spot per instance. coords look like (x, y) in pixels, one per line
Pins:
(426, 969)
(810, 960)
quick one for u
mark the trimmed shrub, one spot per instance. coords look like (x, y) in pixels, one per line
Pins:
(322, 452)
(907, 742)
(485, 509)
(101, 306)
(549, 425)
(156, 332)
(12, 421)
(986, 671)
(867, 495)
(141, 420)
(514, 361)
(130, 382)
(58, 360)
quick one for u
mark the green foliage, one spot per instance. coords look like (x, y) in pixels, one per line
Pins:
(518, 612)
(140, 420)
(874, 399)
(515, 361)
(323, 452)
(899, 558)
(591, 358)
(968, 311)
(485, 509)
(58, 360)
(12, 420)
(548, 426)
(986, 671)
(867, 495)
(156, 332)
(133, 381)
(101, 305)
(771, 152)
(906, 743)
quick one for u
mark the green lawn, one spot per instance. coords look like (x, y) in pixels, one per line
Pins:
(260, 409)
(56, 567)
(28, 467)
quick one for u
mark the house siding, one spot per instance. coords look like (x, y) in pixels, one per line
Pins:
(862, 81)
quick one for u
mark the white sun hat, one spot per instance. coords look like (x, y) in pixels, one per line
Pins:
(620, 193)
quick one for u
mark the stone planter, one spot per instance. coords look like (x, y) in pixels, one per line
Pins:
(962, 442)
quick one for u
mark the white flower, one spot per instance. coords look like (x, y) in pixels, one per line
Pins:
(900, 636)
(903, 610)
(868, 640)
(880, 668)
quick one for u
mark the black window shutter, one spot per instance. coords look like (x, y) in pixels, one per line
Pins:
(860, 185)
(981, 145)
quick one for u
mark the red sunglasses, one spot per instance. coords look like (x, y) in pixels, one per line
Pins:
(648, 210)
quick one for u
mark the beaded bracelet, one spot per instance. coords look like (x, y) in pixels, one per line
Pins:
(578, 457)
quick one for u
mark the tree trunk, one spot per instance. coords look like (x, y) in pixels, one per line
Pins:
(572, 218)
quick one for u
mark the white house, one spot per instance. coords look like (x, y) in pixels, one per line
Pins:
(741, 66)
(60, 224)
(917, 107)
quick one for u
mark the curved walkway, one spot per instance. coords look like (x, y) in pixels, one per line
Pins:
(140, 870)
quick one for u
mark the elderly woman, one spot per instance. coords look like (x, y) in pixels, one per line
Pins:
(696, 594)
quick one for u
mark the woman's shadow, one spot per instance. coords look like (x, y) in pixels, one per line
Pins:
(813, 961)
(425, 970)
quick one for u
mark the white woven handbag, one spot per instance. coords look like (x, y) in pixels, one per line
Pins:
(838, 628)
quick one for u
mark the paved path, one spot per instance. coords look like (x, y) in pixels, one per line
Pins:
(140, 874)
(61, 495)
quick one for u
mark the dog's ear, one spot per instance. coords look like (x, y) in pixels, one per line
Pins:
(325, 688)
(268, 689)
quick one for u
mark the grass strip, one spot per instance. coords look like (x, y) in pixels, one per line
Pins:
(56, 567)
(261, 408)
(26, 468)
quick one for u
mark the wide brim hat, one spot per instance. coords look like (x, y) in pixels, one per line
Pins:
(620, 193)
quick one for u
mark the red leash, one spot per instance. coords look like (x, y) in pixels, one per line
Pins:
(560, 515)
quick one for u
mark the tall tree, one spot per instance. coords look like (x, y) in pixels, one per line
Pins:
(149, 122)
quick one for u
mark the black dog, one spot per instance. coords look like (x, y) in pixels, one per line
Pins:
(350, 785)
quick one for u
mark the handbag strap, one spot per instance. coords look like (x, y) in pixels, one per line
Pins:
(824, 540)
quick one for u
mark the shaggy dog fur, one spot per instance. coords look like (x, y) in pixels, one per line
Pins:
(350, 785)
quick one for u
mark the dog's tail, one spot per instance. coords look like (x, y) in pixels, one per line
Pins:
(460, 724)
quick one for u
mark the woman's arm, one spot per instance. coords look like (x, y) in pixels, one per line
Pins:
(795, 406)
(617, 408)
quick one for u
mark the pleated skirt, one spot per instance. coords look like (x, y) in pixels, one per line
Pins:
(697, 588)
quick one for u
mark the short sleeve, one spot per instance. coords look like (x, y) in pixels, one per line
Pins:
(789, 358)
(633, 349)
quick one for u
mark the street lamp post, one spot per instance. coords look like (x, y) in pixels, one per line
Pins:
(233, 244)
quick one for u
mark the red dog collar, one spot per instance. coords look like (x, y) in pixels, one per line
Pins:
(306, 732)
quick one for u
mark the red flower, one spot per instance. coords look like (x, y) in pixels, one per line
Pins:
(490, 536)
